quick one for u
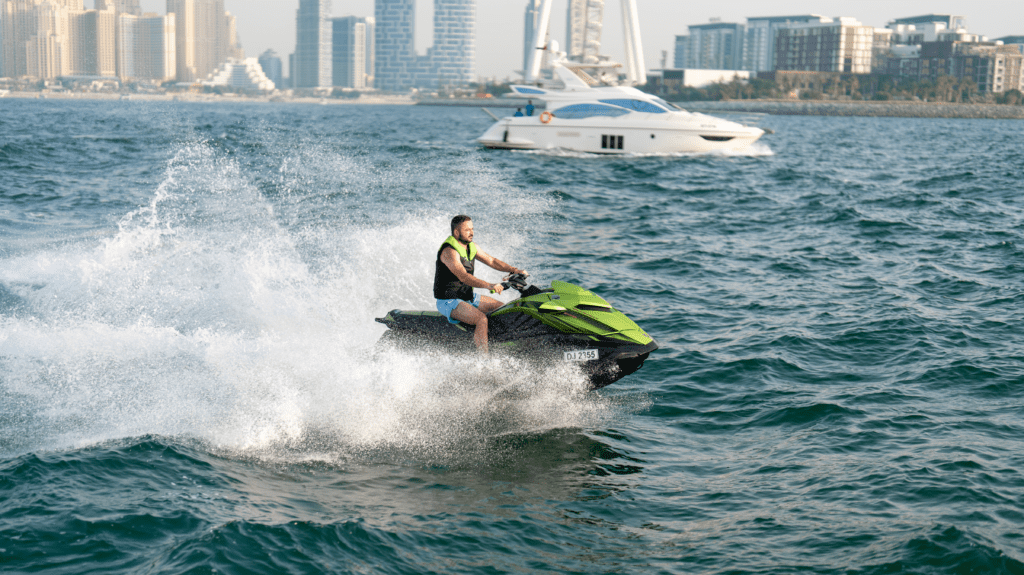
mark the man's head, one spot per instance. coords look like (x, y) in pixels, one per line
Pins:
(462, 228)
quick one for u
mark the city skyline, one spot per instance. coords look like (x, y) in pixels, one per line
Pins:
(269, 24)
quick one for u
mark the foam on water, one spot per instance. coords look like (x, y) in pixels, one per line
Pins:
(757, 149)
(204, 317)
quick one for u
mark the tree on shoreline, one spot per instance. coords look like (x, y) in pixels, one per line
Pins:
(879, 87)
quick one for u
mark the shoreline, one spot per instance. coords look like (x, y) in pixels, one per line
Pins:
(886, 109)
(862, 108)
(400, 100)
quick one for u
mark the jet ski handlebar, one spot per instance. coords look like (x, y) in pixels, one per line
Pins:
(515, 281)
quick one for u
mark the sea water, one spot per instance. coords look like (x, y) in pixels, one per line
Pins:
(189, 382)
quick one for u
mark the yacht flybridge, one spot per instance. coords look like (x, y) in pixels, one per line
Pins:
(605, 114)
(612, 120)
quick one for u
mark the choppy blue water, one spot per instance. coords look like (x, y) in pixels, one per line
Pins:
(187, 383)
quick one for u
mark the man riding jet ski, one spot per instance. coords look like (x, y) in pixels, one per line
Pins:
(454, 280)
(561, 323)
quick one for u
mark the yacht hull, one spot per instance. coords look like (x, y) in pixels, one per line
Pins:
(609, 137)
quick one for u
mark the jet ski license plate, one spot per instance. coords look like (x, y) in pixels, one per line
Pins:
(581, 355)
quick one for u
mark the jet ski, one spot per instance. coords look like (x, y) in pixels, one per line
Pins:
(561, 323)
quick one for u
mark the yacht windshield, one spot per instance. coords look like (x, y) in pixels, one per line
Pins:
(636, 105)
(668, 105)
(580, 111)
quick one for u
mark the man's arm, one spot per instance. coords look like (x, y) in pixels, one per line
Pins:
(451, 259)
(495, 263)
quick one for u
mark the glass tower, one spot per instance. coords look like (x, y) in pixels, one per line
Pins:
(313, 45)
(353, 52)
(451, 61)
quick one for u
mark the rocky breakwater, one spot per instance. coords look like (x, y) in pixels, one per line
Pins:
(861, 108)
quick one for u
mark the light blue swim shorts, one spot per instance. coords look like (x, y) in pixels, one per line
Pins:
(447, 306)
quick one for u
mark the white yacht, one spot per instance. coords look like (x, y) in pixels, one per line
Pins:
(607, 119)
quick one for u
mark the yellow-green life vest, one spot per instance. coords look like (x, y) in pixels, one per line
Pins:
(446, 283)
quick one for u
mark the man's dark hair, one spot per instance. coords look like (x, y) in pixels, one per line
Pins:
(457, 221)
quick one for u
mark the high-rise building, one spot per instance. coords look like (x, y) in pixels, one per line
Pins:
(212, 41)
(715, 46)
(120, 6)
(202, 37)
(313, 45)
(233, 47)
(396, 52)
(13, 35)
(184, 38)
(271, 64)
(290, 81)
(51, 51)
(759, 39)
(157, 47)
(37, 37)
(531, 20)
(125, 55)
(583, 24)
(353, 52)
(148, 47)
(681, 53)
(451, 61)
(93, 33)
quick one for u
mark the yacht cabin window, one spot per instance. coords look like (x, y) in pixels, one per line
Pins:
(580, 111)
(636, 105)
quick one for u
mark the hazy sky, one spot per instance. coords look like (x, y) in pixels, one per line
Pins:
(264, 24)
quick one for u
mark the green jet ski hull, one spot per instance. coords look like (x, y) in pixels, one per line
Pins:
(564, 323)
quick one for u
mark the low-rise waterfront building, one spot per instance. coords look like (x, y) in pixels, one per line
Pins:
(990, 66)
(674, 79)
(1015, 41)
(946, 22)
(246, 75)
(759, 38)
(844, 45)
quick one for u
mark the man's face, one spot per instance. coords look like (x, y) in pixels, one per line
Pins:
(464, 232)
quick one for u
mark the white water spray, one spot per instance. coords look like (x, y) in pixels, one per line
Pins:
(208, 316)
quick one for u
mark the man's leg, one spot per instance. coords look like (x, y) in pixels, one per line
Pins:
(489, 304)
(465, 312)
